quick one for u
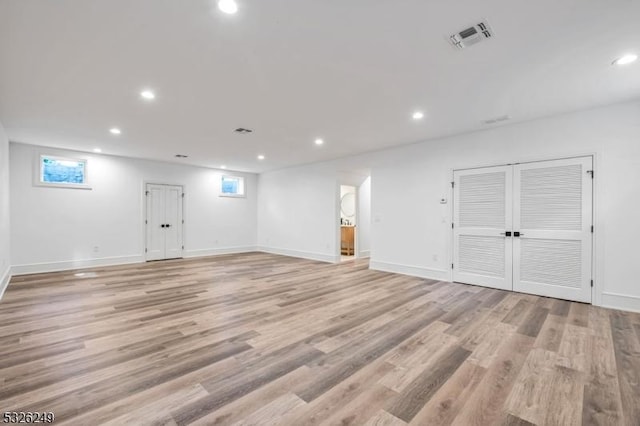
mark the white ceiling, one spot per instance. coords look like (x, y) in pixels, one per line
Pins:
(351, 72)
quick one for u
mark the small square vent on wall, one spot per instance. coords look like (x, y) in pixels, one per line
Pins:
(471, 35)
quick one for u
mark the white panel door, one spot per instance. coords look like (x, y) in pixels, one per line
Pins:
(482, 219)
(155, 244)
(553, 218)
(173, 222)
(164, 235)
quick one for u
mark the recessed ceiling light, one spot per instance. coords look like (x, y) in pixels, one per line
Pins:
(97, 150)
(261, 157)
(148, 95)
(418, 115)
(319, 141)
(626, 59)
(223, 167)
(115, 131)
(228, 6)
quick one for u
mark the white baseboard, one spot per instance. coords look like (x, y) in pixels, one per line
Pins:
(415, 271)
(364, 254)
(38, 268)
(219, 251)
(301, 254)
(623, 302)
(5, 278)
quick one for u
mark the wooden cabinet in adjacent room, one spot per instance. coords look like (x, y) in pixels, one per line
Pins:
(348, 240)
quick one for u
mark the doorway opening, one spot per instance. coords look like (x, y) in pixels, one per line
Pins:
(353, 215)
(348, 222)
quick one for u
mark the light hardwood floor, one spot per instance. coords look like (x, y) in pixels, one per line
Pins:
(263, 339)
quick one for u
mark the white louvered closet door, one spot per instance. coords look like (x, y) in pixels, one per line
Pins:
(553, 215)
(482, 215)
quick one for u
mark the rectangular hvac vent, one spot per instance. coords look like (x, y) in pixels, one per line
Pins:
(497, 119)
(468, 32)
(472, 35)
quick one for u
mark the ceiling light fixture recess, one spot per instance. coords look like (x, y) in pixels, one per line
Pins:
(228, 6)
(97, 150)
(261, 157)
(418, 115)
(626, 59)
(223, 167)
(148, 95)
(115, 131)
(319, 142)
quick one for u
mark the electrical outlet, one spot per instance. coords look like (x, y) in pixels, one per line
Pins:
(96, 249)
(435, 258)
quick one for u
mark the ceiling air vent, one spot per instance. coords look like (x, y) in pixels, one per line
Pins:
(243, 131)
(472, 35)
(497, 119)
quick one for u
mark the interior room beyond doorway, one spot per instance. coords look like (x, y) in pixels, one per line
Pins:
(348, 218)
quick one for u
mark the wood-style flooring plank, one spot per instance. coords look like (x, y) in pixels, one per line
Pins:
(485, 406)
(447, 402)
(627, 352)
(420, 391)
(382, 418)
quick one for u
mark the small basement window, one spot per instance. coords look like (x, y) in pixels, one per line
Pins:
(232, 186)
(63, 172)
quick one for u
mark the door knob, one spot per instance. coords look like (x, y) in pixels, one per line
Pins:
(506, 233)
(162, 226)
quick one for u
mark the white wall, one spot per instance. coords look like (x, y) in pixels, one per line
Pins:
(298, 212)
(58, 228)
(364, 218)
(5, 252)
(411, 229)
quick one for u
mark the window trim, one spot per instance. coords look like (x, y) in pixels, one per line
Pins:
(38, 172)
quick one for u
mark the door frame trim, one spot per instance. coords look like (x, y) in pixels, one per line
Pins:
(596, 273)
(143, 200)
